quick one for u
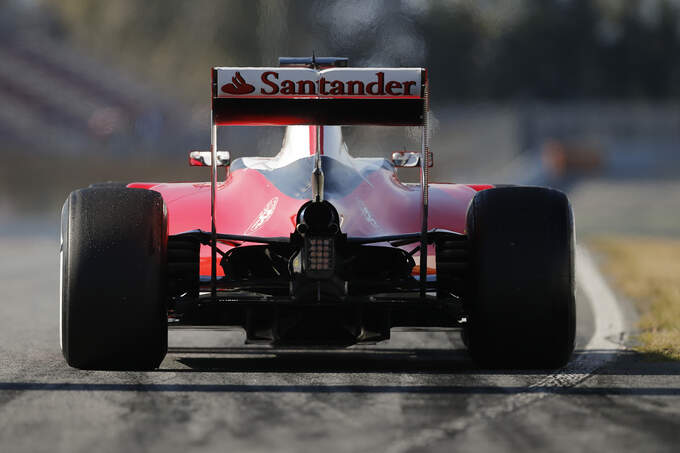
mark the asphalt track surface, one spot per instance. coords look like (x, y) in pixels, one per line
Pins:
(418, 392)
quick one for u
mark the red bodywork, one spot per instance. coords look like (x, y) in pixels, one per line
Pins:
(248, 203)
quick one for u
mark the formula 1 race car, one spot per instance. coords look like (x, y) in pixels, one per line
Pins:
(314, 247)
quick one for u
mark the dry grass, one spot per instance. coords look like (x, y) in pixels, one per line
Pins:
(647, 270)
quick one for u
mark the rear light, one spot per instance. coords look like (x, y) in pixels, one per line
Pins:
(320, 256)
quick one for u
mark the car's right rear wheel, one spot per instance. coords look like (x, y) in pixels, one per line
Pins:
(521, 302)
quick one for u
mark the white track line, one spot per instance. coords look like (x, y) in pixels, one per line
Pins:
(609, 320)
(602, 348)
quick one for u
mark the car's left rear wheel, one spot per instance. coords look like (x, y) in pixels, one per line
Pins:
(113, 282)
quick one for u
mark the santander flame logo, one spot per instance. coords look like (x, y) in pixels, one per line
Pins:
(239, 85)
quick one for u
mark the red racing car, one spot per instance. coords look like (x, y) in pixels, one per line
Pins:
(314, 247)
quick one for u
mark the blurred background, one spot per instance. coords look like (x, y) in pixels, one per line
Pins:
(579, 94)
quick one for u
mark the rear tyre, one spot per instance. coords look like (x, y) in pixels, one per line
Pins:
(113, 284)
(522, 308)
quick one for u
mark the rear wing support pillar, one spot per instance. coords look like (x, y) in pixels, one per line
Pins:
(213, 189)
(424, 185)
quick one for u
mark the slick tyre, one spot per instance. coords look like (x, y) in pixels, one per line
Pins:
(113, 282)
(522, 308)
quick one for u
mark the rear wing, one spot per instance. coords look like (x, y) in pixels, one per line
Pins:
(309, 92)
(335, 96)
